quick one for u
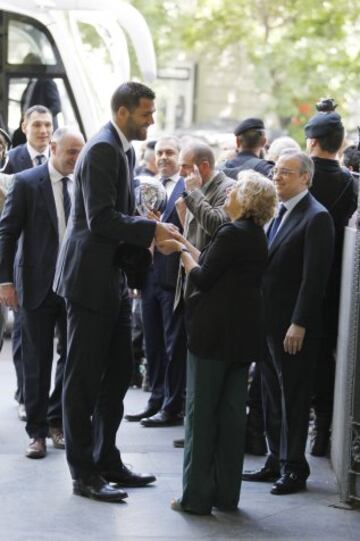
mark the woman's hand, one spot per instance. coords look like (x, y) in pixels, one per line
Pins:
(153, 215)
(167, 247)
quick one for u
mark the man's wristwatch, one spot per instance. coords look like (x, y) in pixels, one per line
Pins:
(184, 249)
(185, 194)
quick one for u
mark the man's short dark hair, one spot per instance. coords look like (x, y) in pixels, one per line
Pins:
(36, 109)
(251, 139)
(332, 141)
(129, 95)
(352, 158)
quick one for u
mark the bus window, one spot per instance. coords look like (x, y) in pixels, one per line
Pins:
(27, 41)
(25, 92)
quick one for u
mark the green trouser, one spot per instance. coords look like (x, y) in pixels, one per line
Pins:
(216, 396)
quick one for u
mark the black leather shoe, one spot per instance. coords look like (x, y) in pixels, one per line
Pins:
(162, 418)
(136, 417)
(179, 444)
(264, 475)
(320, 442)
(123, 477)
(289, 483)
(96, 488)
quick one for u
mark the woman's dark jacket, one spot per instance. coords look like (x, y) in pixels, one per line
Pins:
(225, 315)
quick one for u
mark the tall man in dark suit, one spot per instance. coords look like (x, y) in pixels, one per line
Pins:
(164, 330)
(91, 278)
(301, 241)
(37, 128)
(35, 213)
(334, 187)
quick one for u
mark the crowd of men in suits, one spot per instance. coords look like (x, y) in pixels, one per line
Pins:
(64, 258)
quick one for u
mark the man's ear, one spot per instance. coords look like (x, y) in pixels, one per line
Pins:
(23, 126)
(121, 115)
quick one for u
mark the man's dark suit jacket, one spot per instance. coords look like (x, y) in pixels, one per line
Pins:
(18, 160)
(226, 322)
(101, 219)
(300, 259)
(29, 214)
(166, 267)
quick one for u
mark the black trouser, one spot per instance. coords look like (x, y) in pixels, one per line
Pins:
(17, 357)
(287, 388)
(323, 398)
(165, 344)
(97, 376)
(37, 338)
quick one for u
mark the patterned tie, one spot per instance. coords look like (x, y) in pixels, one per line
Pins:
(40, 159)
(276, 223)
(66, 198)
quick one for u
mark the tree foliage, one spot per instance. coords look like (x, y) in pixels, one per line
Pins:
(300, 49)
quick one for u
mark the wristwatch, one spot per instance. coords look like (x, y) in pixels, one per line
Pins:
(185, 194)
(184, 249)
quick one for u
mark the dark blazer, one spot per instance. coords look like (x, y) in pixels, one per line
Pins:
(166, 267)
(18, 160)
(101, 220)
(300, 259)
(246, 160)
(333, 187)
(227, 321)
(29, 215)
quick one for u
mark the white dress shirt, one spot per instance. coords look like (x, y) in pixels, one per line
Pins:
(290, 204)
(33, 153)
(57, 188)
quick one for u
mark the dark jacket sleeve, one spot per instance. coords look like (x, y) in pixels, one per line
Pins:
(99, 176)
(11, 225)
(219, 255)
(318, 256)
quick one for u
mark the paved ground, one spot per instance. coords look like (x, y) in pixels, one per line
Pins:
(36, 503)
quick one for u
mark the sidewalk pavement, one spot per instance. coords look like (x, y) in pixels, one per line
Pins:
(36, 501)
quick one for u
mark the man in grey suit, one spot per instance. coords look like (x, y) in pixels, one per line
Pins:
(102, 238)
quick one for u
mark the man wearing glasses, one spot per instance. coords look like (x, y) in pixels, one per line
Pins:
(301, 241)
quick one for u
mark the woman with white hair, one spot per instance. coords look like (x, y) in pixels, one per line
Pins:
(225, 334)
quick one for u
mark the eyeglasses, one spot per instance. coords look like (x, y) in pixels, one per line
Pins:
(280, 171)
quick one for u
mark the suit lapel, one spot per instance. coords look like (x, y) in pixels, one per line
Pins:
(25, 159)
(47, 193)
(290, 223)
(177, 191)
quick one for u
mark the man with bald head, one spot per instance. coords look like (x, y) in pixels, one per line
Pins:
(35, 214)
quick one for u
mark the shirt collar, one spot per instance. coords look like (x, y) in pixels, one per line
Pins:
(55, 175)
(207, 184)
(125, 143)
(291, 203)
(33, 153)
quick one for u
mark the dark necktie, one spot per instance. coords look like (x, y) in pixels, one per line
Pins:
(40, 159)
(276, 223)
(66, 198)
(130, 162)
(165, 181)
